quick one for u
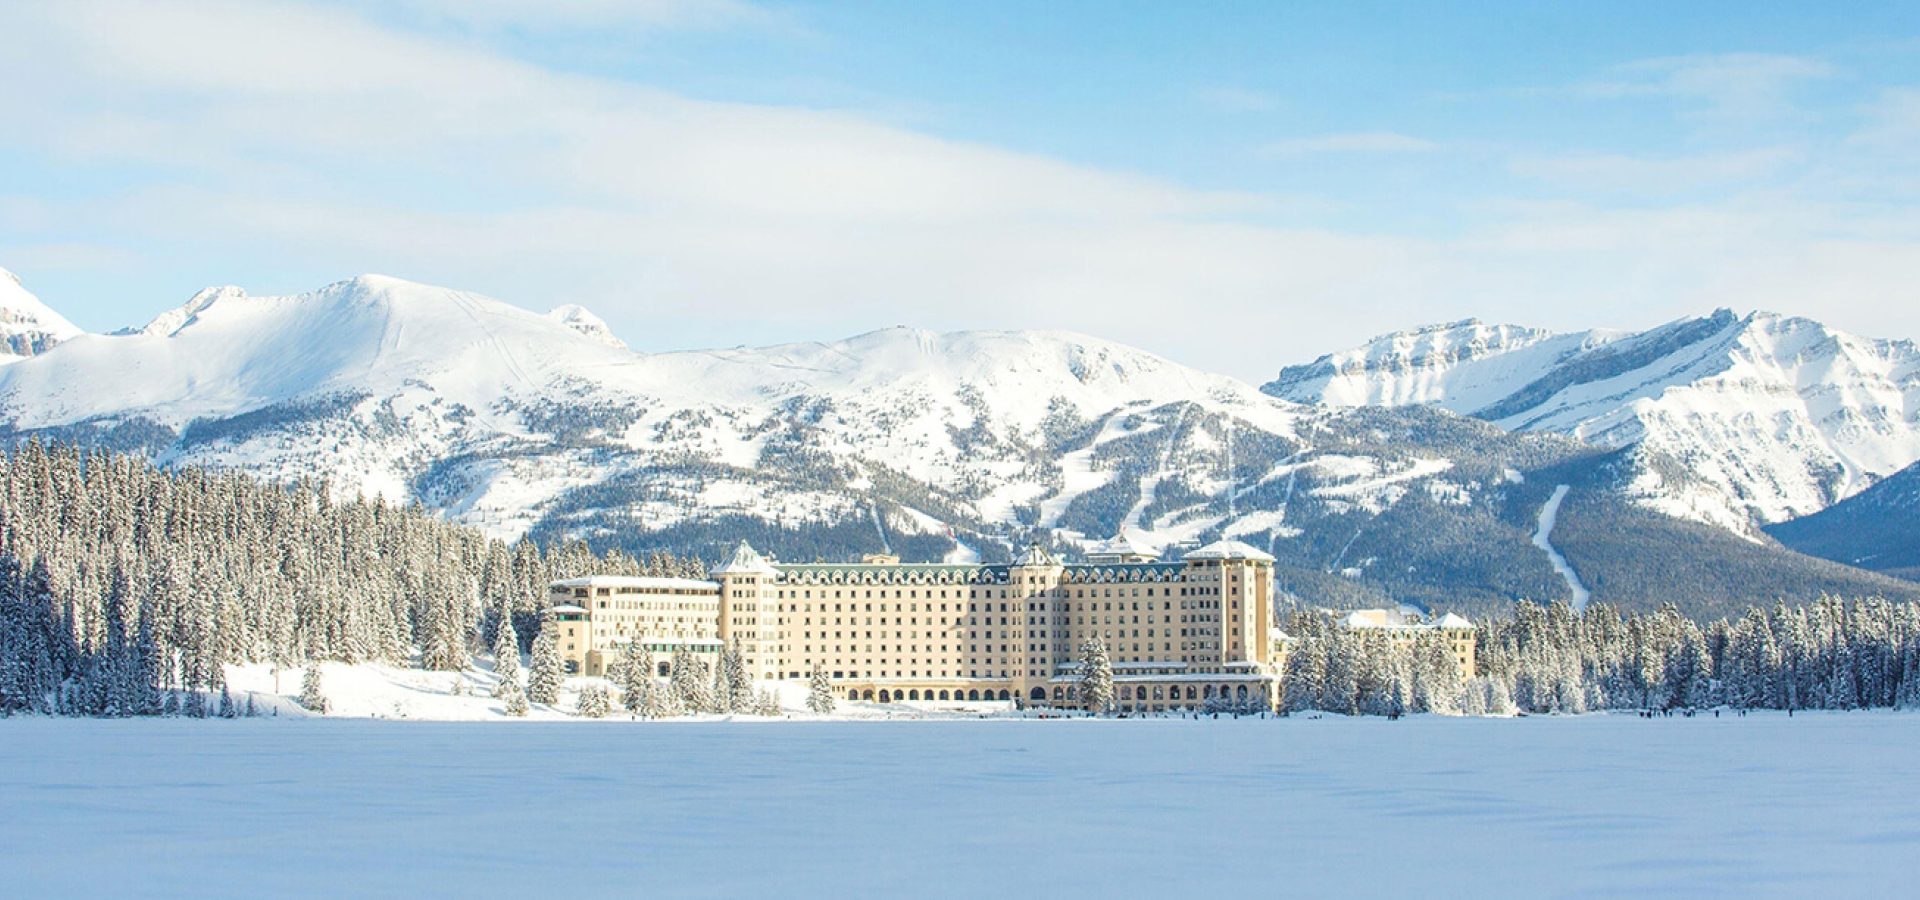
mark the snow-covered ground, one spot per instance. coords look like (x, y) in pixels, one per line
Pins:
(1816, 805)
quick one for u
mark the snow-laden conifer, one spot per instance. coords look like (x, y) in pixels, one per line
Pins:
(506, 656)
(543, 681)
(820, 699)
(312, 694)
(593, 702)
(1096, 676)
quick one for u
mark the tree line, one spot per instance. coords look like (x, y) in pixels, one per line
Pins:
(124, 588)
(1828, 654)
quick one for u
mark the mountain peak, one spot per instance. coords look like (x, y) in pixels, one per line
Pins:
(580, 319)
(28, 327)
(169, 323)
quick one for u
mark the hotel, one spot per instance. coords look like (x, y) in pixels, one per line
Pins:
(1192, 633)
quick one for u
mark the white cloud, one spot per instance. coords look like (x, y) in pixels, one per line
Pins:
(1723, 85)
(326, 142)
(1351, 142)
(1639, 174)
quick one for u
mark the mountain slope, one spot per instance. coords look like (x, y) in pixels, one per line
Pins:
(27, 326)
(1781, 416)
(1877, 529)
(957, 446)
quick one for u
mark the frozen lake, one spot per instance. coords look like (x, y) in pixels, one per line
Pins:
(1821, 804)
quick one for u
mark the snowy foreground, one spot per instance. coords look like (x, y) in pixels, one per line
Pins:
(1814, 805)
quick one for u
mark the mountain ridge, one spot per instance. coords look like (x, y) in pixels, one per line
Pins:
(965, 445)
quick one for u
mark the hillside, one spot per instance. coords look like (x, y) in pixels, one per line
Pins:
(1877, 529)
(1780, 416)
(956, 446)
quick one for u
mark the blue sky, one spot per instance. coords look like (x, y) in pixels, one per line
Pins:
(715, 172)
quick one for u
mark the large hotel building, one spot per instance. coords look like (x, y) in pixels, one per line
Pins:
(1179, 634)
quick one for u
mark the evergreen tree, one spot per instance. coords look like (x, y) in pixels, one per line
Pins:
(636, 672)
(738, 683)
(506, 656)
(312, 694)
(593, 702)
(1096, 676)
(820, 700)
(515, 700)
(543, 682)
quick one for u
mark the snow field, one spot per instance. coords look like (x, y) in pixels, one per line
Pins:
(1545, 806)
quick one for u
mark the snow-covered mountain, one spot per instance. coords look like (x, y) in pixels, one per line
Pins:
(1877, 529)
(27, 326)
(1777, 416)
(935, 446)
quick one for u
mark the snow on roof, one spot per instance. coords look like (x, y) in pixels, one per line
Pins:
(645, 582)
(1398, 618)
(1230, 550)
(567, 608)
(746, 561)
(1122, 544)
(1453, 621)
(1037, 555)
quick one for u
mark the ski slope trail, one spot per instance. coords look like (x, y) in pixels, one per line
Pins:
(1549, 515)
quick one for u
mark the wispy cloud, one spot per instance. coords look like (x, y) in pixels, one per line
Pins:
(1726, 85)
(1351, 142)
(550, 15)
(1622, 172)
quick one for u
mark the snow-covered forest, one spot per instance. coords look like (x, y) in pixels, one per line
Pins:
(125, 588)
(1828, 654)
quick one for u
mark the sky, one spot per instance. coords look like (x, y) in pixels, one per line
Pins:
(1237, 186)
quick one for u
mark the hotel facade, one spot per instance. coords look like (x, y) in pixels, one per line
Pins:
(1187, 634)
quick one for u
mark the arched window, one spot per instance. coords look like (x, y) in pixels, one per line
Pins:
(886, 697)
(943, 695)
(973, 695)
(1006, 695)
(1038, 693)
(1240, 692)
(913, 695)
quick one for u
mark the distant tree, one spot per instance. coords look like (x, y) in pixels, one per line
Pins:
(516, 700)
(312, 694)
(820, 699)
(593, 702)
(1096, 676)
(766, 703)
(543, 682)
(636, 671)
(506, 656)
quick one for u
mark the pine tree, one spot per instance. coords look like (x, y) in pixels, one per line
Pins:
(515, 700)
(820, 699)
(593, 702)
(636, 670)
(1096, 676)
(312, 695)
(506, 657)
(766, 703)
(738, 684)
(543, 682)
(684, 682)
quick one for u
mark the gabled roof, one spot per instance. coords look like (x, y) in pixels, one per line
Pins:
(746, 561)
(1036, 555)
(1122, 544)
(1230, 550)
